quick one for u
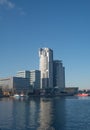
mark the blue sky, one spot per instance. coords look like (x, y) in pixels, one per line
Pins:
(62, 25)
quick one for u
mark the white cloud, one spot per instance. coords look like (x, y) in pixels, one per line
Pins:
(21, 11)
(7, 3)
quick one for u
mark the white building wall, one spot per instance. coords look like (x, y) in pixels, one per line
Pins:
(23, 74)
(6, 83)
(46, 67)
(35, 79)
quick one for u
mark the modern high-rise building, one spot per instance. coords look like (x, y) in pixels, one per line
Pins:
(33, 76)
(46, 67)
(23, 74)
(58, 75)
(35, 79)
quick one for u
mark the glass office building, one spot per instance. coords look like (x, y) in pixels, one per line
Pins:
(58, 75)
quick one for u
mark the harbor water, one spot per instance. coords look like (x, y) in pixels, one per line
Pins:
(58, 113)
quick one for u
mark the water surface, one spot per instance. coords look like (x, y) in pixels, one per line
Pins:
(68, 113)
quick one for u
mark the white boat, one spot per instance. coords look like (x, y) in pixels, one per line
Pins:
(22, 95)
(17, 96)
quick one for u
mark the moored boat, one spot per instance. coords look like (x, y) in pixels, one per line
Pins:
(82, 94)
(22, 95)
(17, 96)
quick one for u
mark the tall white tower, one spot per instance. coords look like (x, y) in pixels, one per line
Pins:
(46, 67)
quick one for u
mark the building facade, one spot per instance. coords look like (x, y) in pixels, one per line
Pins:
(33, 76)
(72, 90)
(14, 84)
(35, 79)
(46, 67)
(58, 75)
(23, 74)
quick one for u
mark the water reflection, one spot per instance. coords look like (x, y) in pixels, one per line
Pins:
(25, 114)
(59, 120)
(5, 113)
(46, 115)
(18, 115)
(33, 114)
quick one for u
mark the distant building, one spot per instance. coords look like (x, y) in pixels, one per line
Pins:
(33, 76)
(23, 74)
(58, 75)
(72, 90)
(35, 79)
(14, 84)
(46, 67)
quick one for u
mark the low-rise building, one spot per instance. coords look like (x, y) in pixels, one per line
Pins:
(14, 84)
(71, 90)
